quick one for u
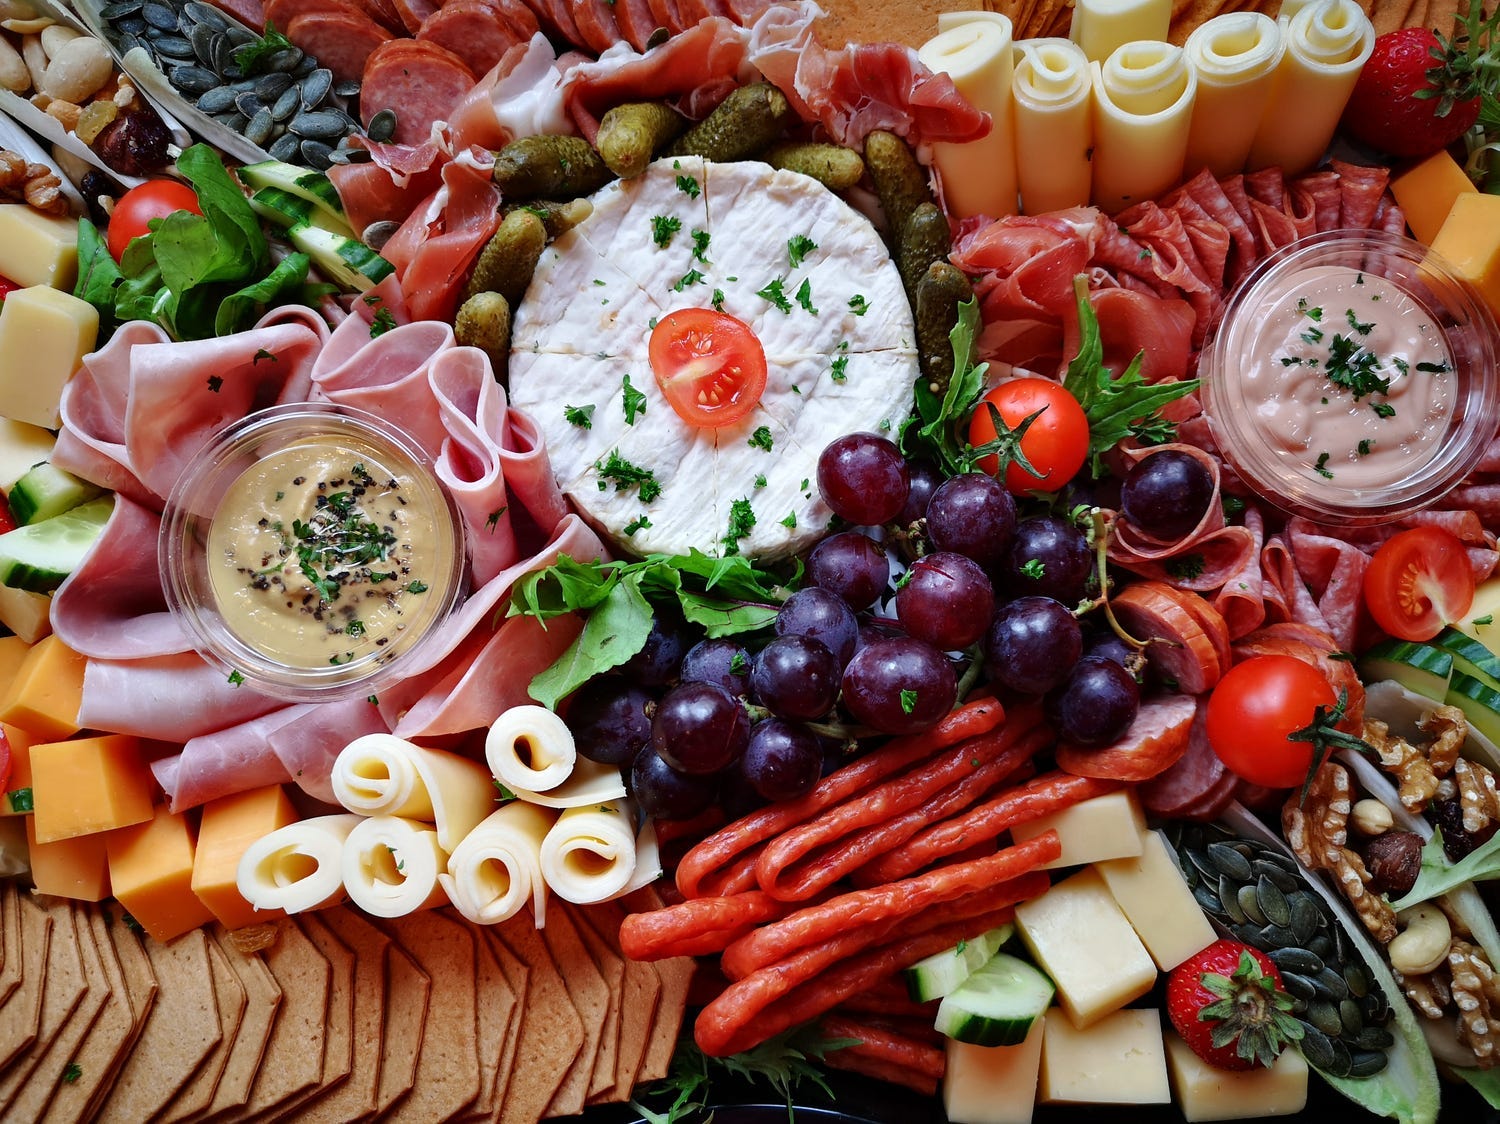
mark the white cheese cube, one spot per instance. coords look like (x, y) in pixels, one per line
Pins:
(22, 447)
(1118, 1060)
(1080, 937)
(1207, 1093)
(44, 335)
(26, 614)
(37, 249)
(1106, 827)
(992, 1084)
(1156, 900)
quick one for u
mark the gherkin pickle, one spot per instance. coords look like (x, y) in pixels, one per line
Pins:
(483, 321)
(834, 166)
(900, 181)
(549, 167)
(942, 289)
(630, 134)
(744, 124)
(509, 259)
(925, 239)
(558, 215)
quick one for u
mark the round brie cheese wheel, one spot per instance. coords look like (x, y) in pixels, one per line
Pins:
(776, 249)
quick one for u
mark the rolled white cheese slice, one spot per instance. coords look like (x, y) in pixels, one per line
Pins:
(529, 748)
(947, 21)
(1326, 45)
(1235, 55)
(647, 858)
(1143, 109)
(589, 855)
(497, 868)
(383, 775)
(1101, 27)
(391, 866)
(1053, 93)
(297, 867)
(590, 783)
(979, 177)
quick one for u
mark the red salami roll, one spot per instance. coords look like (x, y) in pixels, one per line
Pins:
(419, 81)
(696, 927)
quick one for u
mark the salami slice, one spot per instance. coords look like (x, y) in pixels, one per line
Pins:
(282, 12)
(413, 12)
(477, 31)
(596, 24)
(636, 21)
(251, 13)
(421, 82)
(341, 41)
(1178, 645)
(1156, 740)
(1180, 786)
(384, 13)
(665, 13)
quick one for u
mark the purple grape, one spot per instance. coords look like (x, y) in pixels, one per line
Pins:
(722, 662)
(972, 515)
(925, 479)
(610, 720)
(796, 677)
(665, 794)
(852, 565)
(863, 477)
(823, 615)
(946, 600)
(1049, 557)
(658, 663)
(1032, 645)
(699, 728)
(1167, 494)
(1108, 646)
(899, 686)
(783, 760)
(1096, 705)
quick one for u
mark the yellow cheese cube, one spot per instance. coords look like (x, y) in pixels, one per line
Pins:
(44, 335)
(1079, 937)
(38, 249)
(87, 785)
(18, 795)
(992, 1084)
(70, 868)
(151, 872)
(13, 651)
(27, 614)
(1426, 192)
(22, 447)
(1106, 827)
(45, 694)
(1470, 242)
(1156, 901)
(1204, 1092)
(229, 826)
(1118, 1060)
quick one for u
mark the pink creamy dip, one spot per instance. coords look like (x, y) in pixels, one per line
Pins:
(1347, 379)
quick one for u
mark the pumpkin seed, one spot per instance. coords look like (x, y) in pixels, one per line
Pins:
(1306, 916)
(1208, 900)
(1366, 1063)
(348, 88)
(1325, 1016)
(1320, 945)
(1228, 896)
(1273, 902)
(317, 126)
(377, 234)
(220, 99)
(159, 16)
(1330, 984)
(1273, 936)
(248, 103)
(1317, 1048)
(1374, 1038)
(317, 154)
(286, 104)
(316, 87)
(285, 60)
(1351, 1018)
(1295, 960)
(206, 15)
(174, 47)
(1357, 979)
(1343, 1060)
(194, 79)
(284, 148)
(271, 86)
(238, 36)
(382, 126)
(1249, 903)
(113, 13)
(1298, 985)
(305, 67)
(235, 122)
(1230, 862)
(202, 37)
(258, 130)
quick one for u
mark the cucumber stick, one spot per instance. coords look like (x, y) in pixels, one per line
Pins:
(1422, 668)
(46, 491)
(935, 976)
(997, 1004)
(40, 556)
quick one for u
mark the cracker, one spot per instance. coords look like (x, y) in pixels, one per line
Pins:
(447, 1077)
(140, 991)
(552, 1034)
(518, 976)
(612, 969)
(676, 978)
(230, 1001)
(64, 987)
(590, 997)
(355, 1098)
(407, 989)
(103, 1048)
(262, 1005)
(496, 1015)
(640, 996)
(21, 1015)
(10, 941)
(338, 1041)
(181, 1030)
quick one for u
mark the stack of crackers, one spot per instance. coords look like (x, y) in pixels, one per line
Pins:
(326, 1017)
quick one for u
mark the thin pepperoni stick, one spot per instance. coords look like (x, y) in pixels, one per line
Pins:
(1050, 792)
(883, 1069)
(880, 1041)
(722, 847)
(888, 998)
(695, 927)
(734, 878)
(847, 913)
(793, 866)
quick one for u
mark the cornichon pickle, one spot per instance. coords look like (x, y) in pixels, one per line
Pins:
(549, 167)
(899, 180)
(630, 134)
(939, 293)
(483, 321)
(744, 123)
(834, 166)
(509, 259)
(924, 240)
(558, 216)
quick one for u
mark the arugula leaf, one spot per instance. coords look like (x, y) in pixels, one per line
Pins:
(934, 428)
(242, 308)
(720, 617)
(98, 275)
(1438, 874)
(253, 56)
(616, 629)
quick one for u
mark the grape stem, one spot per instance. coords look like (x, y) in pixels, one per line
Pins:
(1101, 523)
(839, 730)
(970, 676)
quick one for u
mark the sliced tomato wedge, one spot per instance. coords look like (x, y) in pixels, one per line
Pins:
(7, 517)
(1418, 581)
(710, 366)
(7, 287)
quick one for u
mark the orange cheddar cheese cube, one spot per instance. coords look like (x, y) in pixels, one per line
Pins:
(87, 785)
(12, 654)
(1426, 192)
(17, 798)
(70, 868)
(151, 873)
(1470, 242)
(45, 693)
(229, 826)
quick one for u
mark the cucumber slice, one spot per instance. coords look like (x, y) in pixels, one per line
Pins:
(997, 1004)
(935, 976)
(40, 556)
(1417, 667)
(350, 263)
(1470, 656)
(315, 187)
(1479, 701)
(282, 207)
(46, 491)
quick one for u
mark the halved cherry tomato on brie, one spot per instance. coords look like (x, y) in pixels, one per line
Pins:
(710, 366)
(1418, 581)
(154, 199)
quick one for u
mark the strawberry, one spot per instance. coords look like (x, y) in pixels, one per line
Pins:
(1420, 91)
(1230, 1007)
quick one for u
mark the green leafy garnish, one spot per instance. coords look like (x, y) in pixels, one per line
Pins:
(933, 429)
(804, 296)
(635, 403)
(773, 292)
(798, 247)
(741, 523)
(616, 470)
(700, 245)
(581, 416)
(383, 322)
(21, 800)
(254, 56)
(761, 439)
(662, 229)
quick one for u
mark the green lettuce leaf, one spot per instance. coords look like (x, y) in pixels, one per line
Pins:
(1438, 874)
(935, 427)
(1485, 1082)
(242, 308)
(98, 275)
(616, 629)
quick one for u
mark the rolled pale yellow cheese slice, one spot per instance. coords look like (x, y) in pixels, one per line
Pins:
(590, 783)
(589, 855)
(947, 21)
(497, 868)
(391, 866)
(1143, 109)
(383, 775)
(647, 858)
(530, 748)
(1326, 45)
(1053, 93)
(979, 177)
(1101, 27)
(297, 867)
(1235, 56)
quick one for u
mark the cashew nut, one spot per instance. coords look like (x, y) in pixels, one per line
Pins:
(1423, 944)
(1371, 817)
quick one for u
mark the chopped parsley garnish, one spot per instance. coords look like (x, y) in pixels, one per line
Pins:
(503, 793)
(1185, 567)
(599, 281)
(700, 245)
(618, 471)
(1383, 409)
(416, 587)
(1488, 618)
(635, 402)
(691, 277)
(215, 383)
(493, 519)
(1145, 254)
(1312, 312)
(1321, 465)
(355, 627)
(760, 479)
(741, 523)
(858, 305)
(662, 229)
(1034, 568)
(839, 368)
(688, 186)
(908, 701)
(716, 302)
(804, 296)
(1354, 368)
(384, 321)
(235, 678)
(1363, 329)
(798, 247)
(373, 700)
(21, 800)
(71, 1073)
(262, 354)
(738, 663)
(581, 416)
(639, 523)
(1313, 335)
(761, 438)
(790, 520)
(1232, 505)
(1365, 446)
(1432, 368)
(773, 292)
